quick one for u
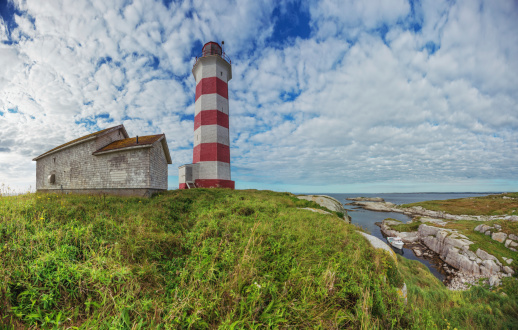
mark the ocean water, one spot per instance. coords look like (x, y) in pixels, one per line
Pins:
(367, 219)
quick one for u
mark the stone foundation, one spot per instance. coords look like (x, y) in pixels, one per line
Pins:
(135, 192)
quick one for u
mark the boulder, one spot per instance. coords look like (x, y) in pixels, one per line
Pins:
(455, 258)
(470, 254)
(513, 237)
(378, 206)
(508, 270)
(498, 227)
(494, 281)
(458, 242)
(483, 228)
(409, 237)
(484, 255)
(402, 292)
(425, 230)
(499, 237)
(489, 267)
(329, 203)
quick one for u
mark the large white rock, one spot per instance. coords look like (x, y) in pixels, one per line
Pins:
(499, 237)
(489, 267)
(378, 206)
(508, 270)
(484, 255)
(425, 230)
(494, 281)
(328, 202)
(483, 228)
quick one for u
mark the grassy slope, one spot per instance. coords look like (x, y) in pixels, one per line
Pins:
(209, 258)
(485, 205)
(432, 306)
(200, 258)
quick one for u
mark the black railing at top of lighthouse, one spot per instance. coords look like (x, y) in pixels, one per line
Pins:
(213, 48)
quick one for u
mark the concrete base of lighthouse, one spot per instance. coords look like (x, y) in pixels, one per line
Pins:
(189, 177)
(210, 183)
(215, 183)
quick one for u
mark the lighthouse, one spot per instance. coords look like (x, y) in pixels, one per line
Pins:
(210, 166)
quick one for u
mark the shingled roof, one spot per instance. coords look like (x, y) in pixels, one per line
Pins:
(131, 143)
(82, 139)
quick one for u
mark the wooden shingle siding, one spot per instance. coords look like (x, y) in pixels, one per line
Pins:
(130, 171)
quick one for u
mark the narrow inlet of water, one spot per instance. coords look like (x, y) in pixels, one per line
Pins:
(367, 219)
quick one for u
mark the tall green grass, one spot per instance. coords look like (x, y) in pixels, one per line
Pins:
(432, 306)
(208, 258)
(196, 258)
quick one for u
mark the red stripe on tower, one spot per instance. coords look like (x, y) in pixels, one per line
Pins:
(211, 85)
(211, 152)
(215, 183)
(211, 117)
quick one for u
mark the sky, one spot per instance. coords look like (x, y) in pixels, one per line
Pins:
(336, 96)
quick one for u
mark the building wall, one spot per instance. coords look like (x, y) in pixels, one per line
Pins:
(106, 139)
(157, 166)
(76, 168)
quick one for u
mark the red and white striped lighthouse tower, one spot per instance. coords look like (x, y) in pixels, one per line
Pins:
(211, 152)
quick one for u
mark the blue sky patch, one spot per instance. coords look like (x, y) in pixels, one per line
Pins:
(291, 21)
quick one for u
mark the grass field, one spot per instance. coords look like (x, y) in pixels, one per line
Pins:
(485, 205)
(208, 258)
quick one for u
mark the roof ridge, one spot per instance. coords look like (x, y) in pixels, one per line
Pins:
(144, 140)
(80, 139)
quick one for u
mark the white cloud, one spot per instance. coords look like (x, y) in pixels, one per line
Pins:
(380, 91)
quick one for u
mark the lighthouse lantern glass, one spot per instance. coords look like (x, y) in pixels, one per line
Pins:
(211, 48)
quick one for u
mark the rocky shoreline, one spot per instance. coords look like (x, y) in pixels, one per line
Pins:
(420, 211)
(448, 248)
(366, 199)
(462, 266)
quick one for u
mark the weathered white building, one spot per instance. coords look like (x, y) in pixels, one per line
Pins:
(108, 161)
